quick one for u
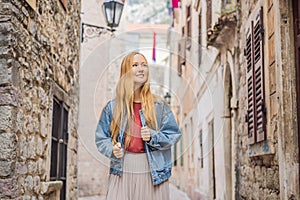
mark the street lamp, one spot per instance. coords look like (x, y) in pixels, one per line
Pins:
(167, 98)
(112, 11)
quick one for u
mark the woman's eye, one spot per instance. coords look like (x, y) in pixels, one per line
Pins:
(144, 65)
(134, 65)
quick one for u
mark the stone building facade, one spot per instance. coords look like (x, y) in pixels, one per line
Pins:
(39, 98)
(94, 73)
(238, 112)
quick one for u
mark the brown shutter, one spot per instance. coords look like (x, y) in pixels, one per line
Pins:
(179, 68)
(188, 26)
(250, 87)
(259, 77)
(180, 58)
(254, 52)
(181, 55)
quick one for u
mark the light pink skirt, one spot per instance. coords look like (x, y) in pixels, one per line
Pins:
(135, 182)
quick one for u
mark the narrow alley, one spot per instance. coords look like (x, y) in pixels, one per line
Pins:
(203, 93)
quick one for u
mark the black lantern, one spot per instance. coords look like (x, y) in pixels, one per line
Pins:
(113, 11)
(167, 98)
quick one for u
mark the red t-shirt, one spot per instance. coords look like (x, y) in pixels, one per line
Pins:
(136, 144)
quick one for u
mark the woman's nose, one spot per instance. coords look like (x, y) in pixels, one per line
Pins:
(140, 68)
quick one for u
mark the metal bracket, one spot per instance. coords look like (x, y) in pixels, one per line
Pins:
(92, 31)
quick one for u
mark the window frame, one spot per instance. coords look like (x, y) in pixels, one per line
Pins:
(59, 137)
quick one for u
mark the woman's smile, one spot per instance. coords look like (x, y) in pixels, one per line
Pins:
(140, 75)
(140, 70)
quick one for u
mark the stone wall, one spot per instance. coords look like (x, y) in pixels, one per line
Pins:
(262, 176)
(39, 56)
(268, 169)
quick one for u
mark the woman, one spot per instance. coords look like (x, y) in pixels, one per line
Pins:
(136, 131)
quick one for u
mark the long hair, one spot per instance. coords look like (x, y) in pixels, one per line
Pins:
(124, 100)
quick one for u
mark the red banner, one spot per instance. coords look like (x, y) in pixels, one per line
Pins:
(154, 47)
(175, 3)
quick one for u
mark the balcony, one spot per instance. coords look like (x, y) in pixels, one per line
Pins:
(223, 30)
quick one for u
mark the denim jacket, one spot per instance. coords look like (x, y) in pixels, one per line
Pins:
(158, 149)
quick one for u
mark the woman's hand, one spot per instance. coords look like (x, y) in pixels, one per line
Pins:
(145, 132)
(117, 150)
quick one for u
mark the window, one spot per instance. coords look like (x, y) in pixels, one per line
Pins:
(181, 54)
(256, 114)
(181, 151)
(192, 149)
(188, 26)
(208, 14)
(211, 133)
(187, 145)
(59, 145)
(201, 148)
(175, 155)
(200, 40)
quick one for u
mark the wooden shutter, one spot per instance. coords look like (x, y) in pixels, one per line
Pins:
(188, 27)
(181, 55)
(179, 67)
(259, 77)
(254, 52)
(250, 86)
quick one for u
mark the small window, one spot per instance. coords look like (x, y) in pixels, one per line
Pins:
(201, 148)
(175, 155)
(200, 39)
(181, 53)
(188, 26)
(181, 151)
(59, 145)
(208, 14)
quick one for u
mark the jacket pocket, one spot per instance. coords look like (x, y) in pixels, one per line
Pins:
(157, 160)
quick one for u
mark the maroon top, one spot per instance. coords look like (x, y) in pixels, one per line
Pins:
(136, 144)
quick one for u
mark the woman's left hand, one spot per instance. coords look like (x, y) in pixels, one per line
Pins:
(145, 132)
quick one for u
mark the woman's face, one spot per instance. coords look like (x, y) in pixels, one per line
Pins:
(140, 70)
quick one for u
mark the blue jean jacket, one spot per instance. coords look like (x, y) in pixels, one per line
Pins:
(158, 149)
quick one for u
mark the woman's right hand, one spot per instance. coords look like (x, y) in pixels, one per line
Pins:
(117, 150)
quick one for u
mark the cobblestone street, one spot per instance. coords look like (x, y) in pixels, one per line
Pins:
(175, 194)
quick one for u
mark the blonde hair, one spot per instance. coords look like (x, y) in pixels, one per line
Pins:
(124, 100)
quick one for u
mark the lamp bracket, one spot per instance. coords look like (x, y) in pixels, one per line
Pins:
(92, 31)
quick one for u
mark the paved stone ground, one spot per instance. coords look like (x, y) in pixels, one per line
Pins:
(175, 194)
(92, 198)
